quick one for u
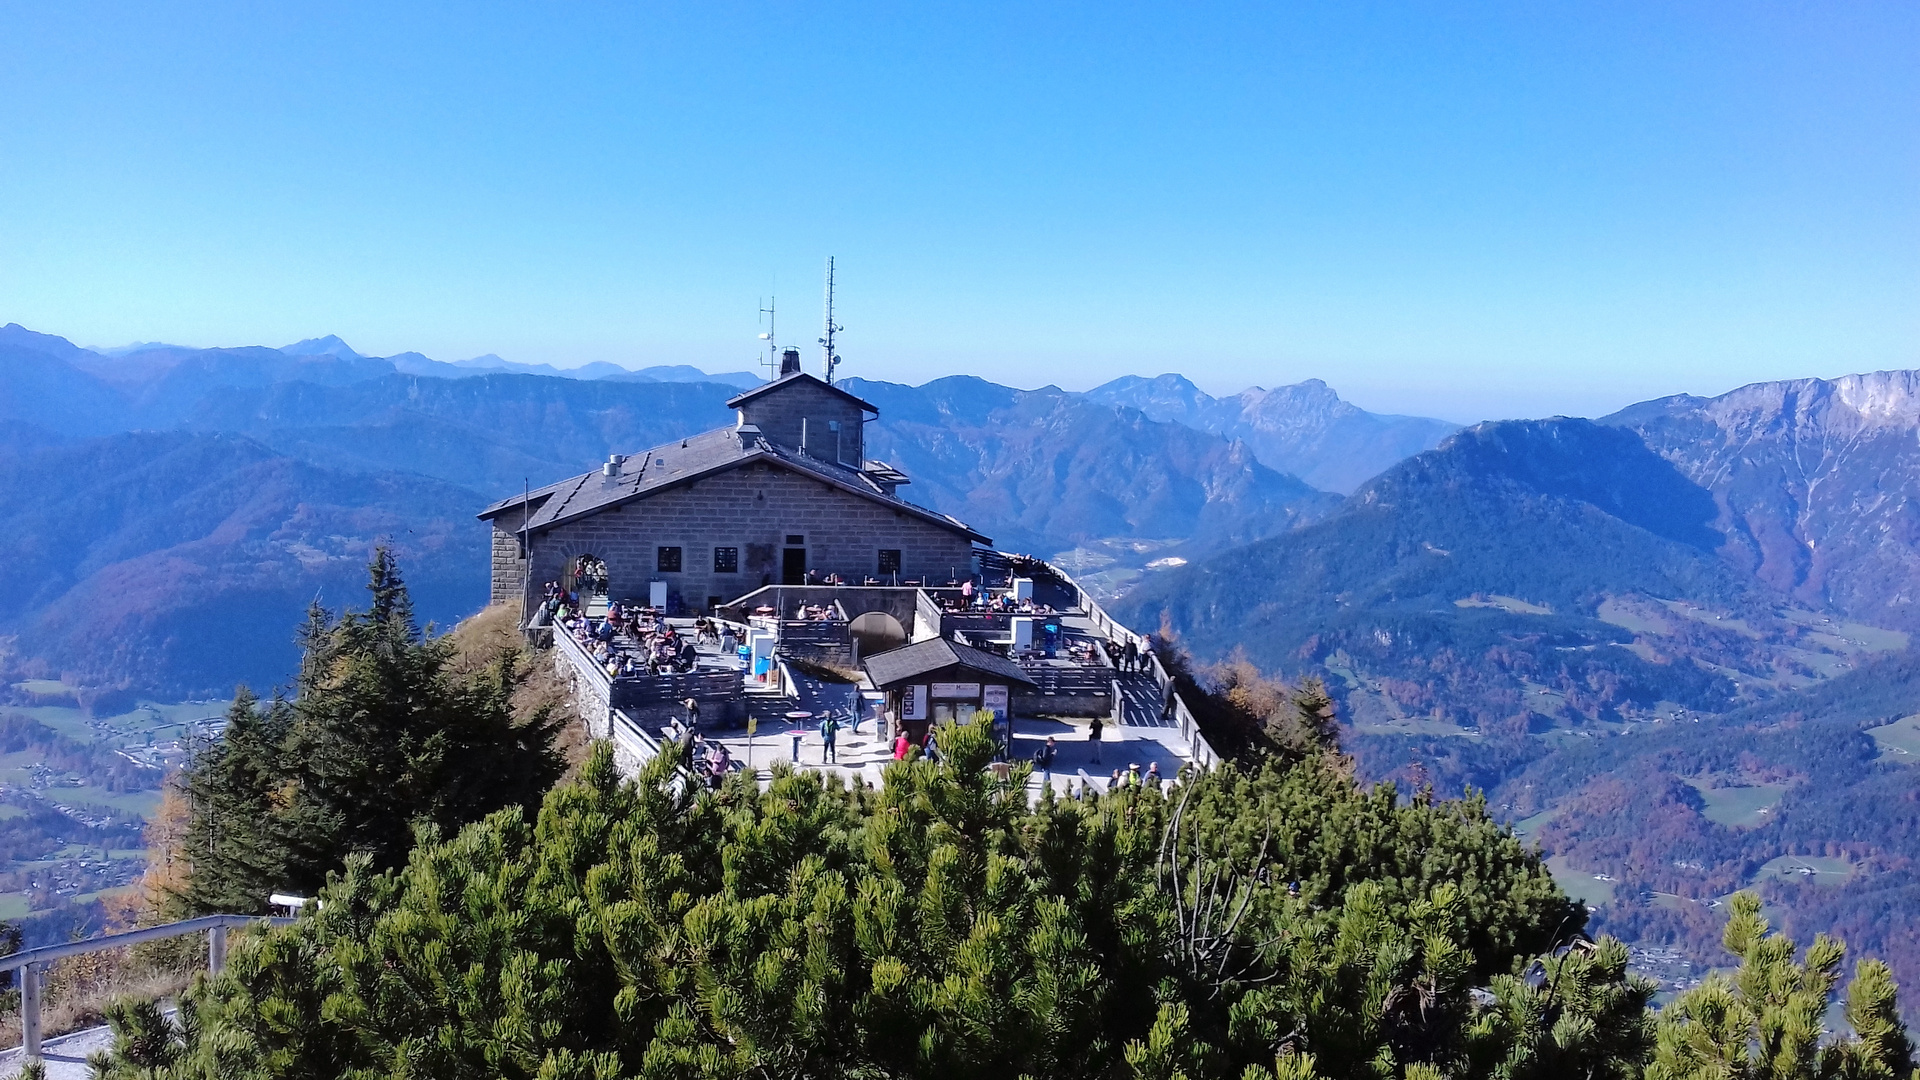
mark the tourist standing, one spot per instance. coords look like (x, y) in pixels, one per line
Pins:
(1093, 738)
(1044, 758)
(829, 728)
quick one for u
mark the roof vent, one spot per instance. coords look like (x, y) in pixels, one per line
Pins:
(790, 363)
(612, 468)
(749, 435)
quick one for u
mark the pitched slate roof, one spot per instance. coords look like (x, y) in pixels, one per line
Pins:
(909, 662)
(789, 380)
(673, 464)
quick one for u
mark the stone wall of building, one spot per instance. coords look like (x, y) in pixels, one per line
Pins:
(509, 569)
(752, 509)
(778, 415)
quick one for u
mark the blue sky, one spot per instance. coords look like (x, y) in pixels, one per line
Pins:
(1459, 210)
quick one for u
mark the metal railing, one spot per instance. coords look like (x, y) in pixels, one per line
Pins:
(31, 961)
(1203, 752)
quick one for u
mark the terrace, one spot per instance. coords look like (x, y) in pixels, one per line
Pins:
(771, 664)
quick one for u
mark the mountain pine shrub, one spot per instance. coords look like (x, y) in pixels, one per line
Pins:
(1291, 926)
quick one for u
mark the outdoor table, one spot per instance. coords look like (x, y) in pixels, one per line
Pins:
(799, 719)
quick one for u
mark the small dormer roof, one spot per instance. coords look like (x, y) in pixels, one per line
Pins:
(796, 378)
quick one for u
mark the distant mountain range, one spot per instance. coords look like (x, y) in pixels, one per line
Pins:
(185, 503)
(1303, 429)
(1684, 553)
(1520, 574)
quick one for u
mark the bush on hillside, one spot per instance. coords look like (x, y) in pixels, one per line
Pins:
(940, 926)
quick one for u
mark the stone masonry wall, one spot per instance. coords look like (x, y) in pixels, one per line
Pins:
(509, 569)
(753, 508)
(778, 413)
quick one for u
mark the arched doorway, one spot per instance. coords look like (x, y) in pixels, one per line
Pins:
(587, 577)
(876, 632)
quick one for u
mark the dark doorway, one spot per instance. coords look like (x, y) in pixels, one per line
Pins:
(793, 566)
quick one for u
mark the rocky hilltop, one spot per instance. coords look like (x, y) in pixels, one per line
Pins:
(1304, 429)
(1815, 481)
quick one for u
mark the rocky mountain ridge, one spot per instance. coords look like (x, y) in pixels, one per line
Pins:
(1304, 429)
(1817, 484)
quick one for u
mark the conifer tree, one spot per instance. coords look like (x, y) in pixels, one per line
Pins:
(1766, 1020)
(380, 737)
(236, 840)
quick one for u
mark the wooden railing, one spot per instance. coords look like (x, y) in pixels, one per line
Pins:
(708, 685)
(1074, 680)
(31, 962)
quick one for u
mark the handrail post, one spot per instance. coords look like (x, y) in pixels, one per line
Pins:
(30, 1011)
(216, 949)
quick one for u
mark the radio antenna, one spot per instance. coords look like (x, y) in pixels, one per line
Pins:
(826, 343)
(772, 361)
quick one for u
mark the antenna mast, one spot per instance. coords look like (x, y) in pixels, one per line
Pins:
(826, 343)
(773, 345)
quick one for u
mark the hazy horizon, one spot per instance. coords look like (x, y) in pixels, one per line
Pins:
(811, 358)
(1506, 211)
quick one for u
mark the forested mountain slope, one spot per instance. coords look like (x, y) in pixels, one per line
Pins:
(173, 560)
(1515, 558)
(1809, 796)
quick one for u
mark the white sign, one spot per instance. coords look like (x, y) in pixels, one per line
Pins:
(994, 700)
(913, 703)
(967, 690)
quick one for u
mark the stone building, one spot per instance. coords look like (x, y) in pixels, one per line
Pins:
(784, 496)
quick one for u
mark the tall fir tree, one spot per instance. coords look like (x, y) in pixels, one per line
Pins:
(380, 738)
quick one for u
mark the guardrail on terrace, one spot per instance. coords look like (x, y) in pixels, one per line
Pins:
(1203, 752)
(607, 694)
(31, 961)
(1056, 680)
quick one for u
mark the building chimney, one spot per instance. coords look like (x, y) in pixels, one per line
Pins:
(749, 435)
(790, 363)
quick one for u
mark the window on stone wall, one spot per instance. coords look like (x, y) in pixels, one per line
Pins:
(726, 560)
(889, 561)
(669, 560)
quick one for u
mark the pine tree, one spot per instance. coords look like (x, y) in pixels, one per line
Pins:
(381, 737)
(1766, 1019)
(237, 787)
